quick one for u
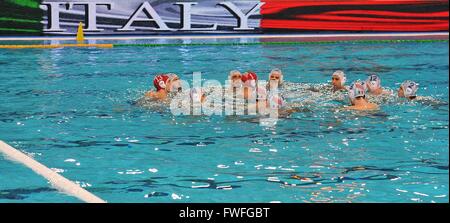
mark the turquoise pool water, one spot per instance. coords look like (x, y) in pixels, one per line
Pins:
(72, 110)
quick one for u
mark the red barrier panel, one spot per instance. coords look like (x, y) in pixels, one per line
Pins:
(355, 15)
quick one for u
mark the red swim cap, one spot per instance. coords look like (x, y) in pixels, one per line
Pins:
(160, 81)
(249, 76)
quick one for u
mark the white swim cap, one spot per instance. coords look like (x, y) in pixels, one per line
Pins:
(364, 84)
(233, 72)
(235, 84)
(357, 90)
(374, 81)
(279, 71)
(341, 75)
(410, 88)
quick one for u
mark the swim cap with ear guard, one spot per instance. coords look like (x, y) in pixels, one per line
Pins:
(235, 84)
(341, 75)
(374, 81)
(357, 90)
(249, 79)
(410, 88)
(279, 71)
(160, 81)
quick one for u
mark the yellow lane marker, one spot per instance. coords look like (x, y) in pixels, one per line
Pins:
(53, 46)
(80, 33)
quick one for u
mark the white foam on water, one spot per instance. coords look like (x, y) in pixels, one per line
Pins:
(201, 144)
(421, 194)
(255, 150)
(83, 184)
(134, 172)
(58, 170)
(228, 187)
(306, 180)
(176, 196)
(273, 179)
(288, 169)
(153, 170)
(201, 186)
(222, 166)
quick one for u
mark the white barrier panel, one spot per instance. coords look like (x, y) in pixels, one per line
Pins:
(59, 182)
(262, 36)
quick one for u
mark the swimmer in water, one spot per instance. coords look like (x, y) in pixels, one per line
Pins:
(357, 95)
(235, 79)
(408, 89)
(338, 81)
(275, 102)
(234, 90)
(164, 84)
(275, 79)
(249, 80)
(373, 84)
(197, 96)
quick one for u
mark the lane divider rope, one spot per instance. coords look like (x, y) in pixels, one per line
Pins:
(59, 182)
(52, 46)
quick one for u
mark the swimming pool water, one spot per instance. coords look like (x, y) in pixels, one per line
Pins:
(72, 110)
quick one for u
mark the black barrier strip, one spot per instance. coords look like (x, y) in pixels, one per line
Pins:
(276, 43)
